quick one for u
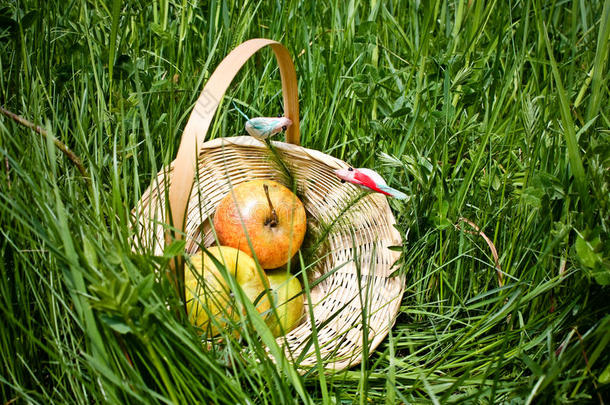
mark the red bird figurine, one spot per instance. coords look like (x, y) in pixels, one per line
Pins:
(369, 180)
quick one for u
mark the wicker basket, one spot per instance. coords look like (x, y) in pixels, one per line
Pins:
(359, 245)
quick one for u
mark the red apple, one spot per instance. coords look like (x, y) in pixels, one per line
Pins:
(271, 216)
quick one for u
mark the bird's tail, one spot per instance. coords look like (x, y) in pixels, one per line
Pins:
(240, 111)
(394, 193)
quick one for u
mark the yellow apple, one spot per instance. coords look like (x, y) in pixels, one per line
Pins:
(287, 296)
(206, 288)
(271, 216)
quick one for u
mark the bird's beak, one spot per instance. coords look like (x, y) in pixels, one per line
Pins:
(343, 174)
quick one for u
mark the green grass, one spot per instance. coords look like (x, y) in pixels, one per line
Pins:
(492, 111)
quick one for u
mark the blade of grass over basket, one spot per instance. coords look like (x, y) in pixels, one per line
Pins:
(250, 312)
(330, 358)
(276, 158)
(199, 122)
(363, 384)
(326, 228)
(314, 335)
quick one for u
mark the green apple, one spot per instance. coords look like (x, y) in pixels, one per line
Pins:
(287, 295)
(206, 288)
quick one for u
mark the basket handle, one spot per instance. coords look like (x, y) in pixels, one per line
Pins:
(193, 137)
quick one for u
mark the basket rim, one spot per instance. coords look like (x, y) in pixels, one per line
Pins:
(249, 141)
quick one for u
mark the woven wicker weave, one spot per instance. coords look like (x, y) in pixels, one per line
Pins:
(357, 247)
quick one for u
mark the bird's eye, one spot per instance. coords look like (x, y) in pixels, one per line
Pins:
(351, 169)
(284, 128)
(342, 181)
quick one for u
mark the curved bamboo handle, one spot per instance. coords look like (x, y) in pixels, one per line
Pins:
(193, 137)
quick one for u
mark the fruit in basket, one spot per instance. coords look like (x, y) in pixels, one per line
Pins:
(266, 212)
(287, 296)
(208, 293)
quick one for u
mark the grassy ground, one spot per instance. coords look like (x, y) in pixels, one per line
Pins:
(496, 112)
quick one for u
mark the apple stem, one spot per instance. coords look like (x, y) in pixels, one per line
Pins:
(274, 220)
